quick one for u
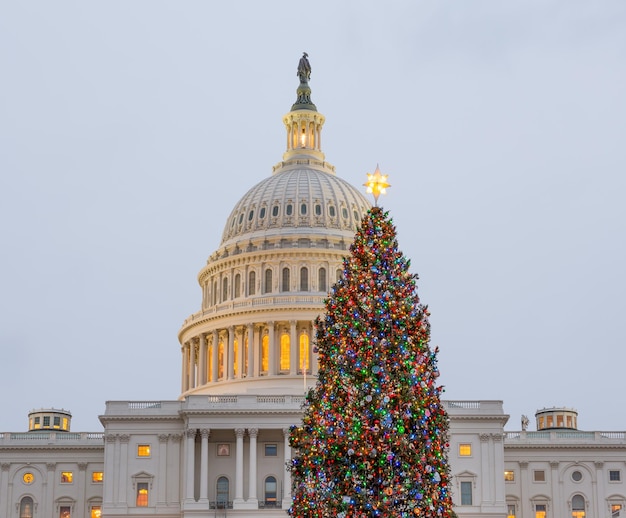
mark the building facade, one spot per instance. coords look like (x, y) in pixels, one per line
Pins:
(247, 359)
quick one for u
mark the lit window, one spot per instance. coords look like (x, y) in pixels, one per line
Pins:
(270, 492)
(284, 352)
(578, 506)
(304, 279)
(466, 493)
(67, 477)
(615, 510)
(96, 511)
(65, 423)
(285, 281)
(540, 511)
(465, 450)
(65, 511)
(539, 476)
(142, 494)
(304, 352)
(251, 283)
(265, 352)
(615, 475)
(321, 280)
(509, 476)
(510, 511)
(97, 477)
(26, 507)
(271, 450)
(37, 423)
(143, 450)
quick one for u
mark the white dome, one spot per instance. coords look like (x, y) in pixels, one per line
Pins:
(297, 199)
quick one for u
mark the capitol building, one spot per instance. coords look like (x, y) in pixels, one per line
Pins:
(247, 358)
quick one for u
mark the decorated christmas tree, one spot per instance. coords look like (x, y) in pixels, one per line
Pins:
(374, 433)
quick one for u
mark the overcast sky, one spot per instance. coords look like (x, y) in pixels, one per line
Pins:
(129, 130)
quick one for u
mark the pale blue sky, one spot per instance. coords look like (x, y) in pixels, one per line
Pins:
(129, 129)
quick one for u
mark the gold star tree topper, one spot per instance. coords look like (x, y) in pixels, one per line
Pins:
(377, 184)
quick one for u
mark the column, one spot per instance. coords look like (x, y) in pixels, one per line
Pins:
(185, 351)
(286, 473)
(202, 360)
(313, 356)
(192, 363)
(251, 362)
(239, 466)
(116, 470)
(48, 490)
(230, 357)
(109, 467)
(173, 491)
(258, 337)
(486, 470)
(4, 489)
(190, 447)
(122, 496)
(498, 443)
(214, 365)
(598, 496)
(294, 348)
(161, 498)
(271, 369)
(252, 498)
(204, 465)
(240, 351)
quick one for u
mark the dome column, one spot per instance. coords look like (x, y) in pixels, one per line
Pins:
(294, 348)
(230, 357)
(185, 379)
(214, 356)
(202, 374)
(250, 331)
(271, 369)
(240, 353)
(192, 364)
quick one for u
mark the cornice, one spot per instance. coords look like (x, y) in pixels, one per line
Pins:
(52, 446)
(557, 446)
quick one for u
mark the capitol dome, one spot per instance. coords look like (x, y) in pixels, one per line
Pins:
(281, 250)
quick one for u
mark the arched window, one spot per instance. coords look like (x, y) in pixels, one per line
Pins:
(321, 280)
(26, 507)
(270, 491)
(304, 352)
(237, 286)
(284, 285)
(275, 211)
(265, 353)
(220, 360)
(289, 209)
(285, 344)
(222, 493)
(303, 209)
(318, 209)
(251, 283)
(224, 289)
(578, 506)
(235, 356)
(331, 211)
(304, 279)
(268, 281)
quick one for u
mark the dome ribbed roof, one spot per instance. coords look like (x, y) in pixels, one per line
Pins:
(298, 200)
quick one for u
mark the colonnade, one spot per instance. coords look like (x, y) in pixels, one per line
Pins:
(196, 492)
(247, 351)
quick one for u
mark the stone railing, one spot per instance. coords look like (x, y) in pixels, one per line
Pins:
(51, 437)
(525, 437)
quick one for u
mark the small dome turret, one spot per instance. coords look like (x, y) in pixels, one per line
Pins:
(49, 419)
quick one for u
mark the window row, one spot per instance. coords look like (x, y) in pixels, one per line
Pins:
(289, 210)
(539, 475)
(225, 292)
(66, 477)
(65, 510)
(58, 423)
(577, 505)
(221, 449)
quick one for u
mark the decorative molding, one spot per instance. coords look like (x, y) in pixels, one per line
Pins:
(205, 433)
(253, 432)
(111, 437)
(124, 438)
(190, 433)
(176, 437)
(5, 466)
(239, 432)
(163, 437)
(484, 437)
(82, 466)
(51, 466)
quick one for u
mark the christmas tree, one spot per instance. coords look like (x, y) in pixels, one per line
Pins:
(374, 433)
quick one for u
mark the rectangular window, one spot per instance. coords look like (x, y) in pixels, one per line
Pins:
(65, 511)
(539, 475)
(65, 423)
(56, 423)
(615, 475)
(46, 420)
(96, 511)
(465, 450)
(67, 477)
(509, 476)
(615, 510)
(37, 423)
(143, 450)
(510, 511)
(142, 494)
(540, 511)
(97, 477)
(271, 450)
(466, 493)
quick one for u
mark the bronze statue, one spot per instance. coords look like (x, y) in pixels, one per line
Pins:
(304, 68)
